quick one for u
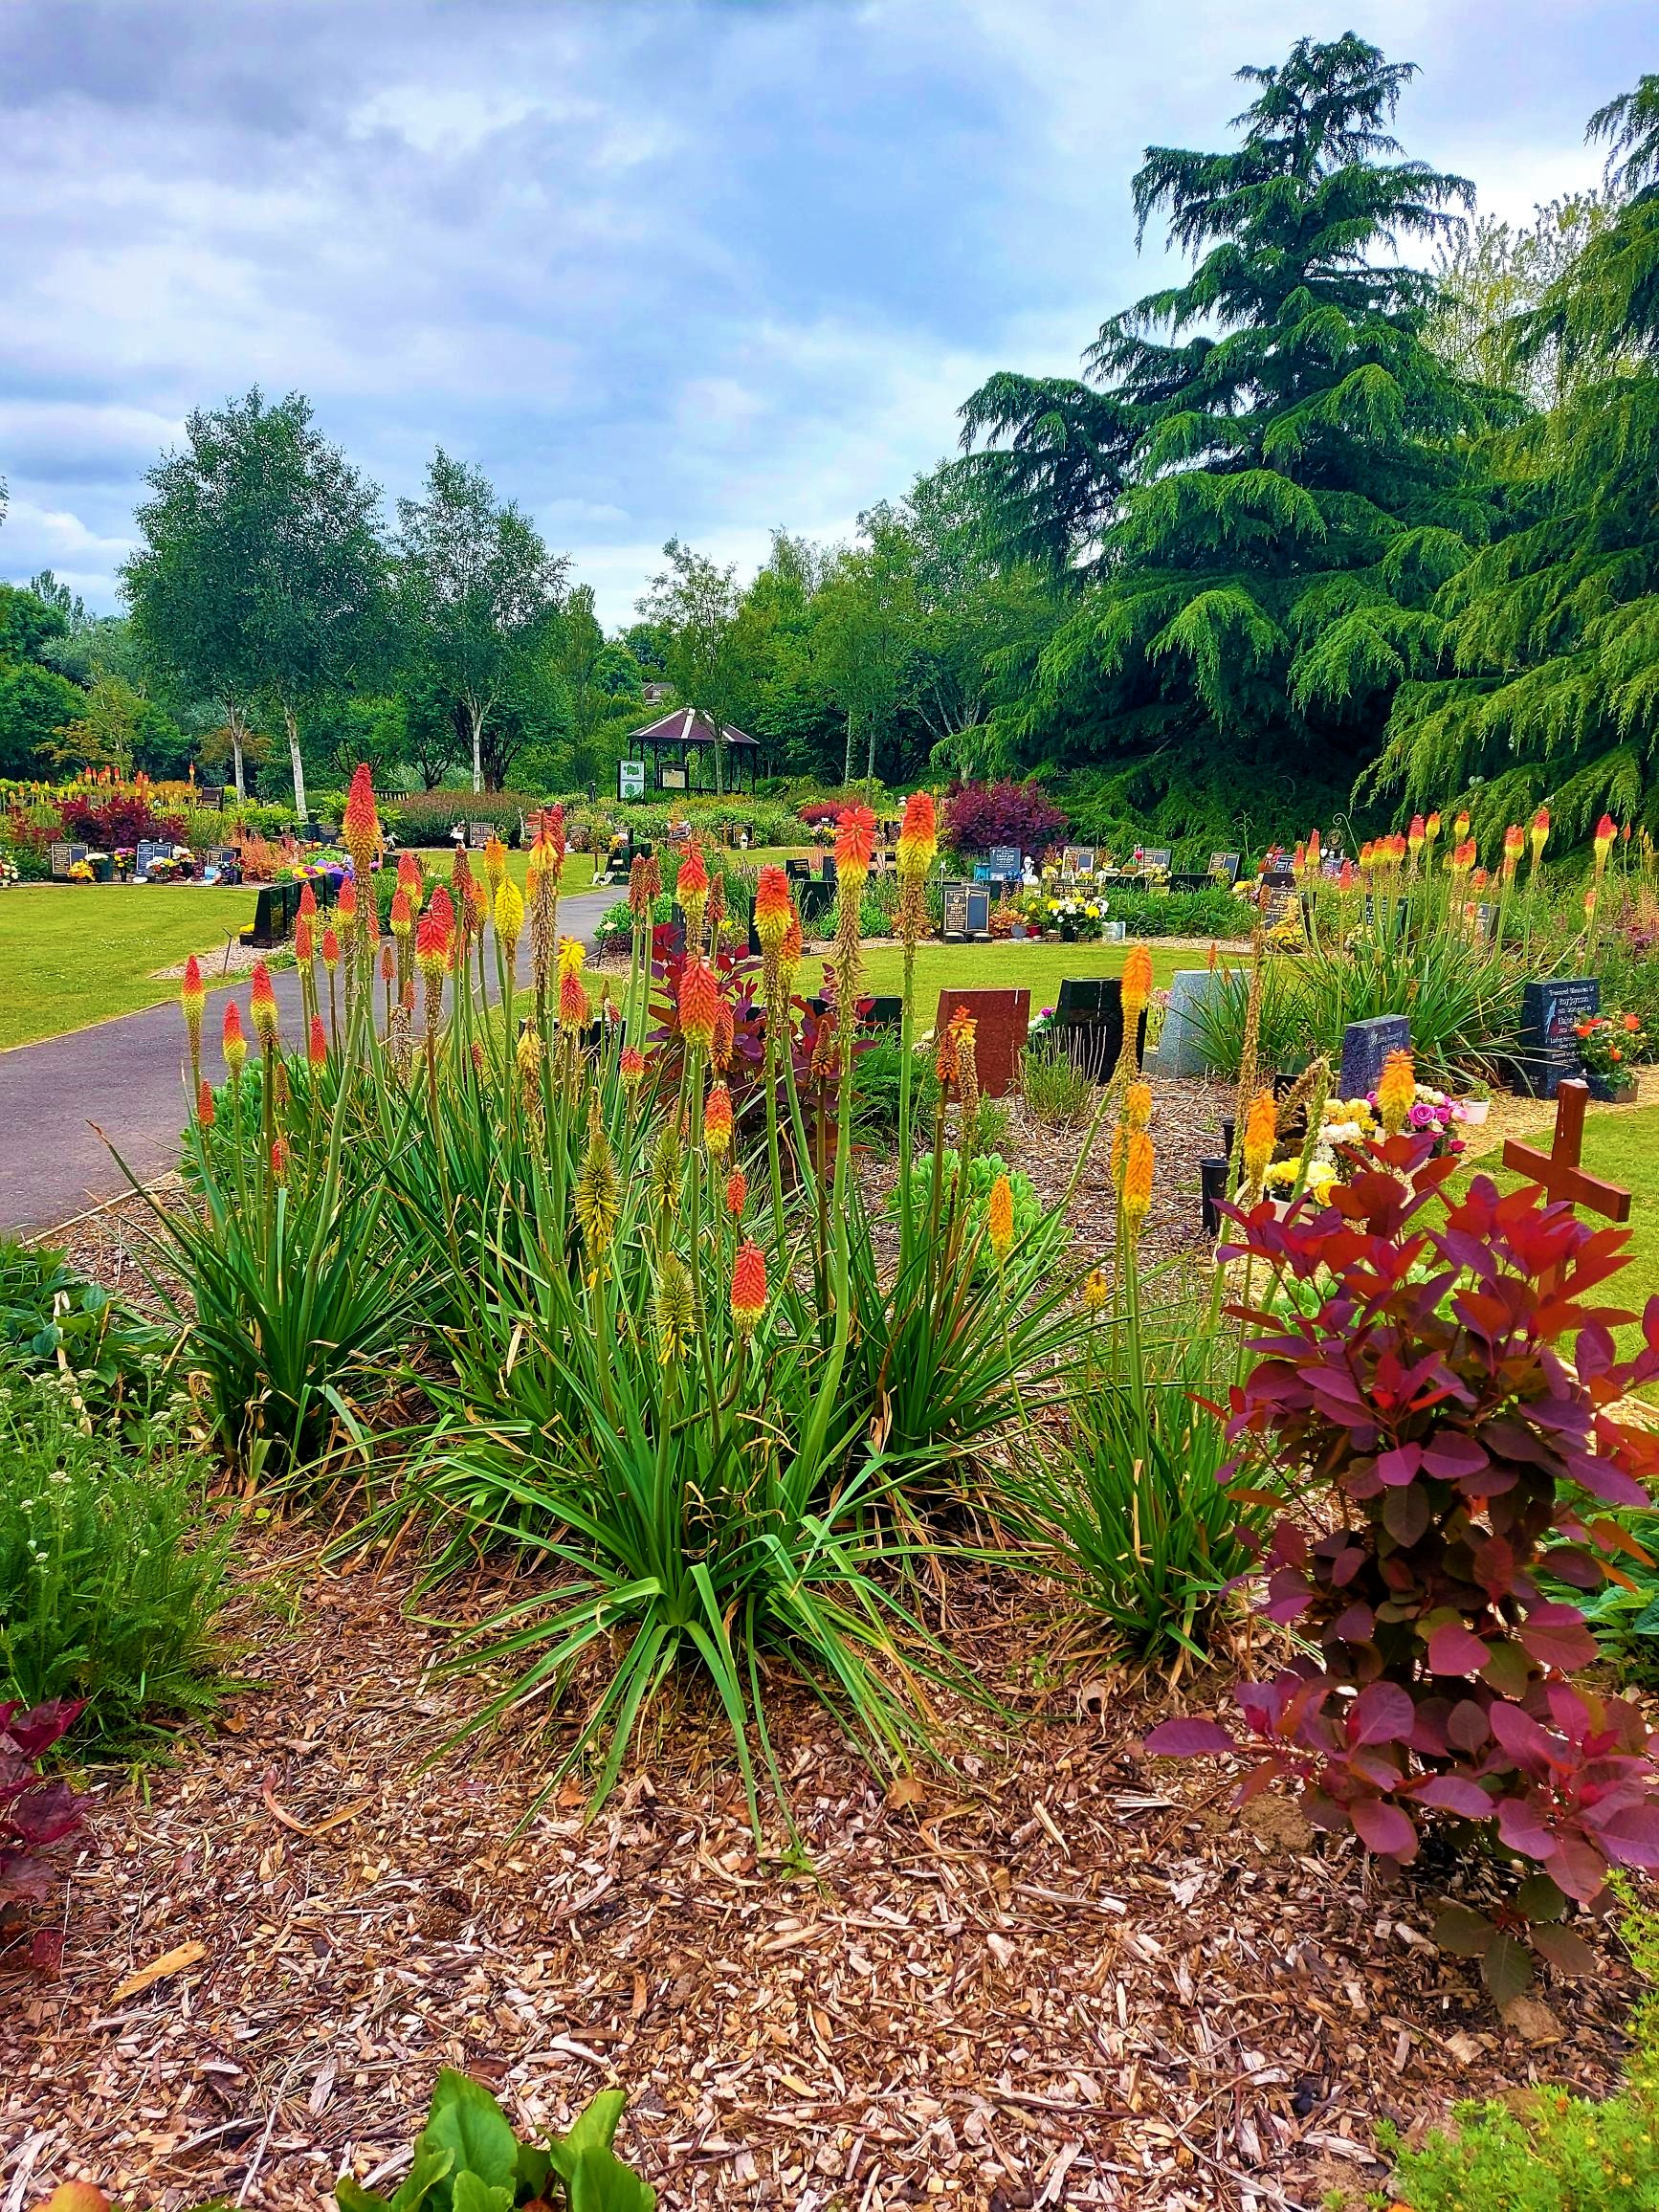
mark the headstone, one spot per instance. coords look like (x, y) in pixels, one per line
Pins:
(1002, 1020)
(1181, 1047)
(149, 849)
(1223, 867)
(1076, 860)
(1088, 1021)
(817, 901)
(1549, 1047)
(1279, 878)
(478, 835)
(979, 911)
(956, 911)
(64, 859)
(796, 871)
(1365, 1049)
(1008, 863)
(1157, 858)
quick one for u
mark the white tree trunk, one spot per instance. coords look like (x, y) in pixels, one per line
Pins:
(301, 816)
(236, 764)
(847, 765)
(475, 715)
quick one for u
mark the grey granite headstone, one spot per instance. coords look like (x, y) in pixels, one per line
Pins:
(1365, 1049)
(1181, 1048)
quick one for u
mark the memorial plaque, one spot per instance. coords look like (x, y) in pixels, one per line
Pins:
(1157, 861)
(796, 871)
(979, 911)
(1223, 867)
(149, 849)
(1549, 1047)
(672, 780)
(478, 835)
(956, 910)
(1365, 1049)
(64, 859)
(1088, 1021)
(1077, 860)
(1002, 1020)
(1008, 863)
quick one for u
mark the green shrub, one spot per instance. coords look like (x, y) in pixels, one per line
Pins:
(1551, 2151)
(109, 1583)
(1057, 1090)
(1179, 913)
(54, 1321)
(425, 818)
(468, 2159)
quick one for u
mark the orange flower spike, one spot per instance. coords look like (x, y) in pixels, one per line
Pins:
(410, 881)
(1462, 857)
(737, 1192)
(718, 1120)
(234, 1043)
(553, 831)
(402, 914)
(1538, 833)
(790, 950)
(698, 1003)
(1137, 980)
(431, 945)
(944, 1062)
(630, 1067)
(1514, 844)
(854, 844)
(918, 836)
(1138, 1164)
(692, 887)
(1606, 833)
(1137, 1105)
(748, 1288)
(1479, 879)
(478, 906)
(193, 998)
(305, 951)
(262, 1006)
(279, 1159)
(1261, 1134)
(1397, 1092)
(387, 966)
(360, 823)
(495, 863)
(346, 906)
(330, 950)
(772, 908)
(1416, 837)
(205, 1104)
(1460, 826)
(307, 901)
(999, 1218)
(638, 898)
(318, 1054)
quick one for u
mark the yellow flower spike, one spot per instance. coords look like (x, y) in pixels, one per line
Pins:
(999, 1218)
(495, 863)
(572, 953)
(1397, 1092)
(598, 1190)
(509, 912)
(1096, 1294)
(1261, 1135)
(676, 1309)
(717, 1119)
(1138, 1164)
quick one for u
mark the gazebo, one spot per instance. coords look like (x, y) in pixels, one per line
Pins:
(681, 743)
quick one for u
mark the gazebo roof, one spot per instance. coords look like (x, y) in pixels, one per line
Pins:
(689, 726)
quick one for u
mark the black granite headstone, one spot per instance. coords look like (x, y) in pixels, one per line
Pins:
(956, 911)
(1365, 1049)
(1549, 1047)
(979, 911)
(1089, 1021)
(817, 901)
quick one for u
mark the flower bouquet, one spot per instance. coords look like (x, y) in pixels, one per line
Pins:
(1612, 1047)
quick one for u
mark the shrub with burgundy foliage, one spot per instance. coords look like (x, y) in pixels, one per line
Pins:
(35, 1816)
(1413, 1368)
(118, 823)
(980, 816)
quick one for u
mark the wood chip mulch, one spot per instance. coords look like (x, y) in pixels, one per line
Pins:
(1045, 1973)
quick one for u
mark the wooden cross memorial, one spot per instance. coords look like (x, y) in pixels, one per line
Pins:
(1559, 1170)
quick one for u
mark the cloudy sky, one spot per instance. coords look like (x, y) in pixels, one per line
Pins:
(693, 266)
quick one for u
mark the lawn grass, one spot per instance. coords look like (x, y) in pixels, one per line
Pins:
(77, 954)
(1040, 968)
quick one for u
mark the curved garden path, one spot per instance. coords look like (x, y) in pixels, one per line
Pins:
(125, 1078)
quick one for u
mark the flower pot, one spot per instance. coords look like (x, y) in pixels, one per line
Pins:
(1474, 1111)
(104, 872)
(1613, 1090)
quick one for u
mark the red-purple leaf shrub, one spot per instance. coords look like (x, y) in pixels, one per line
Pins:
(119, 825)
(1409, 1371)
(979, 816)
(34, 1816)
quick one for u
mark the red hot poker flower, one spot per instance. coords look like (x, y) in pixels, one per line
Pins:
(854, 843)
(262, 1006)
(330, 950)
(748, 1287)
(737, 1192)
(698, 1003)
(235, 1044)
(917, 835)
(307, 900)
(205, 1104)
(317, 1055)
(359, 825)
(772, 907)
